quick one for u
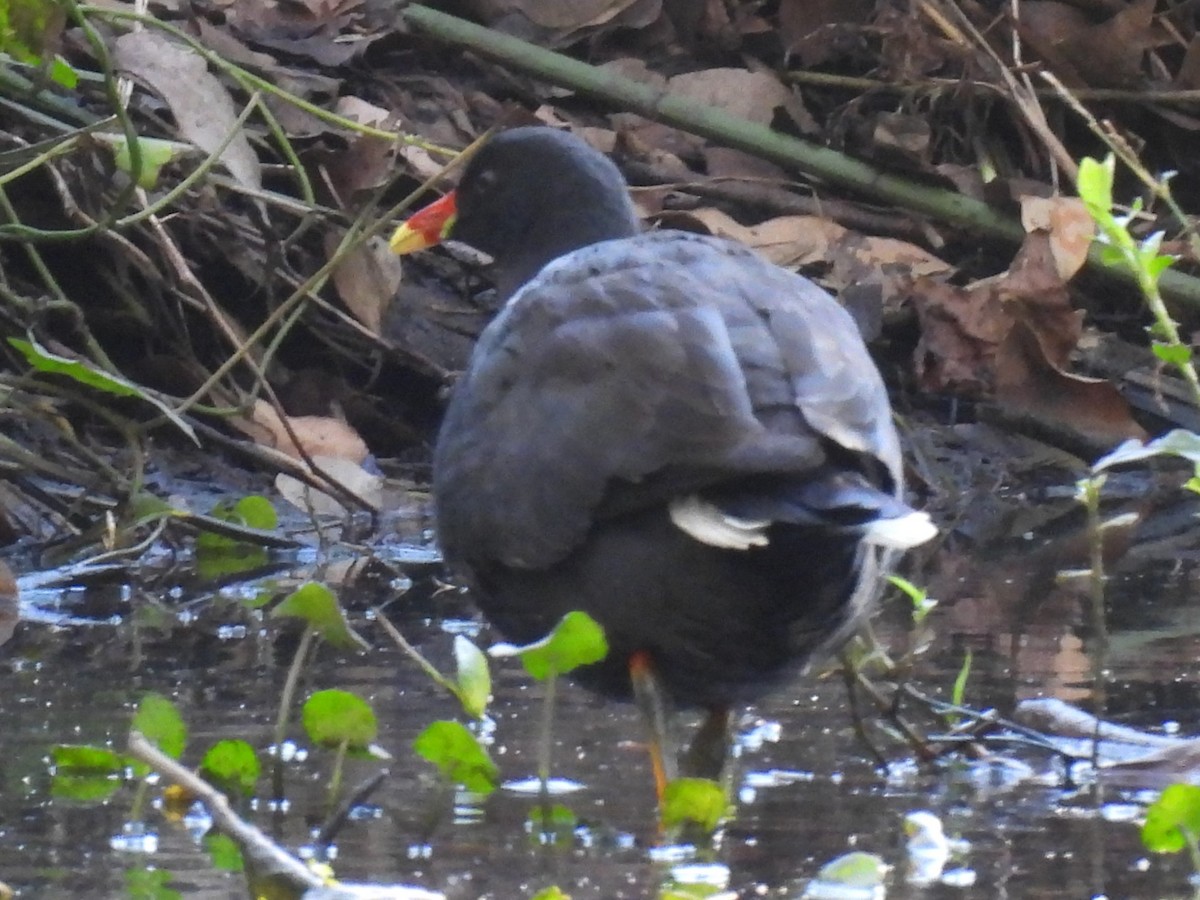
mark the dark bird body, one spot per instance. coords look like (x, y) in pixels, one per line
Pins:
(664, 430)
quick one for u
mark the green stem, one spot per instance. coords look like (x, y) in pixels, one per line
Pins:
(717, 125)
(335, 777)
(290, 684)
(546, 738)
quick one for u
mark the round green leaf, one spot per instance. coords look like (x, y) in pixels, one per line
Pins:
(160, 723)
(458, 755)
(232, 762)
(1173, 820)
(316, 605)
(696, 800)
(578, 640)
(334, 717)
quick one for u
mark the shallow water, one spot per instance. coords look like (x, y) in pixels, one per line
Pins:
(807, 787)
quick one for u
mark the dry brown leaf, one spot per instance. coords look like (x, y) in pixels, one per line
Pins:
(559, 22)
(877, 252)
(794, 241)
(203, 109)
(367, 162)
(962, 327)
(960, 330)
(753, 96)
(816, 31)
(787, 241)
(726, 162)
(319, 435)
(1084, 53)
(1033, 292)
(1027, 383)
(366, 278)
(1012, 336)
(365, 485)
(902, 136)
(1067, 223)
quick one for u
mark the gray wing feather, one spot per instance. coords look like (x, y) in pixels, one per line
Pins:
(632, 359)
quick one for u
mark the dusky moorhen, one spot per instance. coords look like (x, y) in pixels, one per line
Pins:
(662, 429)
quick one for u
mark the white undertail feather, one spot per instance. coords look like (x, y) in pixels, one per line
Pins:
(901, 533)
(710, 525)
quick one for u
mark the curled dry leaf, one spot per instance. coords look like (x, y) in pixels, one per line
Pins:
(816, 31)
(787, 241)
(854, 260)
(960, 330)
(367, 278)
(1069, 226)
(202, 107)
(318, 435)
(753, 96)
(1027, 383)
(1086, 53)
(1011, 337)
(365, 485)
(367, 162)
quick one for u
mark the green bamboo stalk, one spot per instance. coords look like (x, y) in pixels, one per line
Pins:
(717, 125)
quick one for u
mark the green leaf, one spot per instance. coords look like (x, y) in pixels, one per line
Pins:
(695, 800)
(459, 756)
(1193, 483)
(232, 762)
(29, 27)
(863, 871)
(334, 717)
(235, 560)
(84, 788)
(160, 723)
(256, 511)
(1158, 265)
(960, 682)
(84, 759)
(1113, 257)
(145, 508)
(86, 774)
(155, 154)
(1175, 354)
(150, 884)
(1094, 183)
(474, 682)
(554, 892)
(45, 361)
(62, 72)
(577, 640)
(922, 604)
(253, 511)
(223, 851)
(1173, 820)
(316, 605)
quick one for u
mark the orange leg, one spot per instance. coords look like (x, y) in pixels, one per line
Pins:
(648, 693)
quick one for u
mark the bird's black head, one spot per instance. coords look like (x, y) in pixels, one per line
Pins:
(533, 194)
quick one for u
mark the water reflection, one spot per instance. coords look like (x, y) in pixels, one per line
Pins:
(806, 788)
